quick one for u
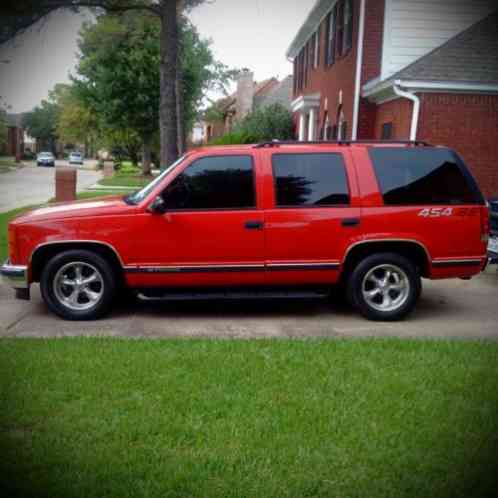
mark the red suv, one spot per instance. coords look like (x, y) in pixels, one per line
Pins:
(275, 219)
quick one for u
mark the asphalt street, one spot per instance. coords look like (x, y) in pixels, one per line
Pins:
(32, 185)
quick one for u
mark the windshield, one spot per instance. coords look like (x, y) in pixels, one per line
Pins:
(138, 197)
(45, 154)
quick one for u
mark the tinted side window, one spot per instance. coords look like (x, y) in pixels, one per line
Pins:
(310, 180)
(222, 182)
(422, 176)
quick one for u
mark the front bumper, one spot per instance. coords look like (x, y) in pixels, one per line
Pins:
(15, 275)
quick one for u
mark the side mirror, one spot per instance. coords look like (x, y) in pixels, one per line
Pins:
(158, 206)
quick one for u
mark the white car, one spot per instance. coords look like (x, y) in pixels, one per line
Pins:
(76, 158)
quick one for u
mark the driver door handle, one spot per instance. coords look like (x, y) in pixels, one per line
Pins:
(254, 225)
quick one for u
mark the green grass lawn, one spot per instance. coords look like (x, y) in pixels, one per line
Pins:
(127, 176)
(373, 418)
(7, 164)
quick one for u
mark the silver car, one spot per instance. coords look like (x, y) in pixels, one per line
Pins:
(45, 159)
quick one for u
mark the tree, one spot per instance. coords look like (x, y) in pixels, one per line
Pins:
(76, 123)
(118, 75)
(17, 15)
(41, 123)
(269, 123)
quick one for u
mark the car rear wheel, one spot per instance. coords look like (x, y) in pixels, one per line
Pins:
(78, 285)
(384, 287)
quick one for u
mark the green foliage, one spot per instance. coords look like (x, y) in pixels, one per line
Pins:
(268, 123)
(235, 138)
(119, 72)
(76, 122)
(41, 123)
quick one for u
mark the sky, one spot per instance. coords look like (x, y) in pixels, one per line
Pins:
(244, 33)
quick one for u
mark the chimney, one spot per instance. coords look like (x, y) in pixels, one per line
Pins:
(245, 94)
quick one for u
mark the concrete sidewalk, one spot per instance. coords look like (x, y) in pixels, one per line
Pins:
(448, 309)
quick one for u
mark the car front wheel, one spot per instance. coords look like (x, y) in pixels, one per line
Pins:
(384, 287)
(78, 285)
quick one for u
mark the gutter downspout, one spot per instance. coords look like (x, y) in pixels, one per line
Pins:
(359, 64)
(416, 107)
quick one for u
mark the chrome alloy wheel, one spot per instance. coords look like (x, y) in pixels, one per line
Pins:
(78, 286)
(386, 288)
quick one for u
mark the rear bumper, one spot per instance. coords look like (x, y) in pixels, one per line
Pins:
(15, 275)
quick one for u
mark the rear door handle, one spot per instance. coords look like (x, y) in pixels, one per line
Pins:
(350, 222)
(254, 225)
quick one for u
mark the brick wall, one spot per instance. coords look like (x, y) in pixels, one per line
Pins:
(374, 36)
(399, 113)
(469, 124)
(330, 81)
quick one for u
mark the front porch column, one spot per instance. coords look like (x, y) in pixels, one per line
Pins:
(312, 125)
(302, 126)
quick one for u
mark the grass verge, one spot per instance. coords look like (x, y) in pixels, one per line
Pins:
(373, 418)
(127, 176)
(7, 164)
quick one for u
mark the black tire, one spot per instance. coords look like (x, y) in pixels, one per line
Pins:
(380, 263)
(106, 285)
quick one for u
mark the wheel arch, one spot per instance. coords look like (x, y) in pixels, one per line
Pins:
(414, 250)
(44, 252)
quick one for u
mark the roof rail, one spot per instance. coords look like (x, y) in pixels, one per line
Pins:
(277, 143)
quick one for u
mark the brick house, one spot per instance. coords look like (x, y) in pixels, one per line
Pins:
(248, 97)
(401, 69)
(15, 136)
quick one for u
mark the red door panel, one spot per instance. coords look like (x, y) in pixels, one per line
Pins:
(305, 245)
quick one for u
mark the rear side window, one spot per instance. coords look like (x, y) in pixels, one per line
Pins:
(423, 176)
(310, 180)
(217, 182)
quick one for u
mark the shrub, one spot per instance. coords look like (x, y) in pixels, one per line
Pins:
(270, 123)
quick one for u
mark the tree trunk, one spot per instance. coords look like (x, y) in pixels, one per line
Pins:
(168, 120)
(182, 142)
(146, 161)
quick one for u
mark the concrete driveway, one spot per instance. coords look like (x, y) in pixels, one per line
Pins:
(448, 309)
(32, 185)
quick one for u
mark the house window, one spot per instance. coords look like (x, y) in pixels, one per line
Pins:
(387, 131)
(331, 37)
(305, 71)
(348, 27)
(339, 27)
(313, 49)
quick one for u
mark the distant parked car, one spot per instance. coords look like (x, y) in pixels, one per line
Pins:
(45, 159)
(76, 158)
(493, 239)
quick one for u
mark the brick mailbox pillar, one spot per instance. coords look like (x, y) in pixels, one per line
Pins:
(108, 169)
(65, 184)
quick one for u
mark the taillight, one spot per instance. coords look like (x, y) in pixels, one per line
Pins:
(485, 226)
(12, 244)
